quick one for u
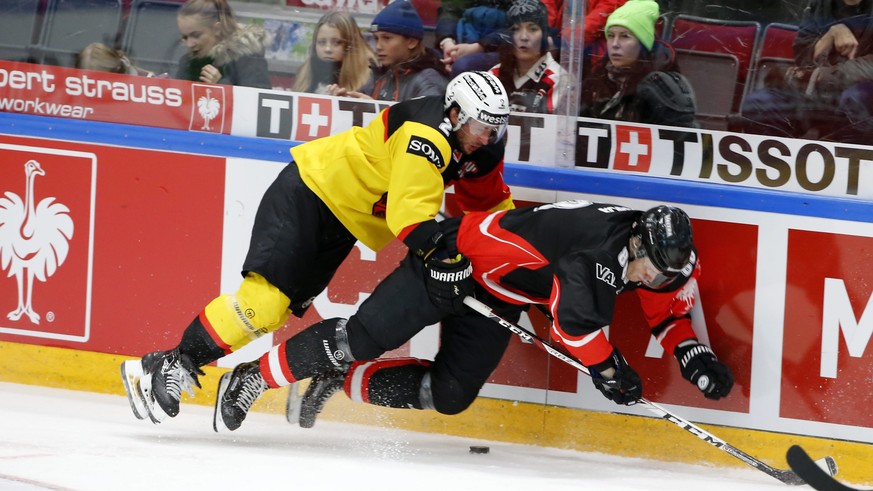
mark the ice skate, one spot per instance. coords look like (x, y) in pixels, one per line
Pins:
(131, 373)
(321, 388)
(237, 391)
(154, 384)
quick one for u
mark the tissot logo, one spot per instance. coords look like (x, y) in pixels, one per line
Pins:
(313, 118)
(46, 216)
(207, 113)
(633, 148)
(275, 116)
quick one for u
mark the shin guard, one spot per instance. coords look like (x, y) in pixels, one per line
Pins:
(257, 308)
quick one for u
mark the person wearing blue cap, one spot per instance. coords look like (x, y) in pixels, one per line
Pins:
(407, 69)
(639, 80)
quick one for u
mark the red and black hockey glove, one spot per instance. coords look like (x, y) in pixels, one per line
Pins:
(617, 381)
(700, 367)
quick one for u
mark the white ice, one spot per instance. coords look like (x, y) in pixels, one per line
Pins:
(61, 440)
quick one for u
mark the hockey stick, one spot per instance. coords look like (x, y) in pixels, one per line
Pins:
(786, 476)
(814, 475)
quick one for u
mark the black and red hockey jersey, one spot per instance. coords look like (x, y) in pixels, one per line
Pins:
(573, 257)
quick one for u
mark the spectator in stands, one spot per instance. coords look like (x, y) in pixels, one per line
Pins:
(830, 88)
(220, 50)
(534, 80)
(102, 58)
(407, 68)
(639, 81)
(469, 33)
(596, 13)
(339, 56)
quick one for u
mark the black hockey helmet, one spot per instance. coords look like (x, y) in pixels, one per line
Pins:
(666, 237)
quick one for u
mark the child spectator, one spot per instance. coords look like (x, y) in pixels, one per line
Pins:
(102, 58)
(220, 50)
(339, 56)
(527, 69)
(407, 68)
(639, 81)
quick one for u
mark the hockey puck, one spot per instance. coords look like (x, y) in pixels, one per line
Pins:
(479, 449)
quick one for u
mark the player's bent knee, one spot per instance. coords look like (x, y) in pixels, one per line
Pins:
(360, 343)
(449, 396)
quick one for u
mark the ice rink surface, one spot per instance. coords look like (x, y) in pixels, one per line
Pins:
(53, 439)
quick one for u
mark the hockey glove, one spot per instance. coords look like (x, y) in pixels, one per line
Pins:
(448, 282)
(700, 366)
(617, 381)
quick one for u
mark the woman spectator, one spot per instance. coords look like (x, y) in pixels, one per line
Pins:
(639, 81)
(339, 56)
(220, 50)
(407, 69)
(533, 79)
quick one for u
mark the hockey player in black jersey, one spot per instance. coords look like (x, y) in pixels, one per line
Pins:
(574, 257)
(374, 183)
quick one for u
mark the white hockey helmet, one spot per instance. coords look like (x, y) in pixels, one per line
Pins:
(480, 97)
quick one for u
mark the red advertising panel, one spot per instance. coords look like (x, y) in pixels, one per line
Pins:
(826, 359)
(114, 98)
(46, 241)
(127, 262)
(727, 294)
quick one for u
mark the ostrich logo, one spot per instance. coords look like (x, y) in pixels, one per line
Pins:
(34, 240)
(208, 108)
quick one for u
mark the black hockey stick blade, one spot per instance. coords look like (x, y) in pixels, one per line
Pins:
(815, 475)
(786, 476)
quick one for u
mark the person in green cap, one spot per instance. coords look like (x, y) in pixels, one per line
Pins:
(639, 80)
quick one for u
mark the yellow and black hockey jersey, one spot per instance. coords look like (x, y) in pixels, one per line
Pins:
(387, 179)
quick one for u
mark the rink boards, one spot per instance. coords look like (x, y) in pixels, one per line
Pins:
(161, 217)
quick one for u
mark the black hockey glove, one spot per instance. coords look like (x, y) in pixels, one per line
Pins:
(700, 366)
(617, 381)
(448, 282)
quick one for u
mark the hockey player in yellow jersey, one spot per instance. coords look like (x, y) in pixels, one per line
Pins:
(371, 184)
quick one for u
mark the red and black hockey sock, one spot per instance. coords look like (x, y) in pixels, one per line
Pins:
(392, 382)
(314, 350)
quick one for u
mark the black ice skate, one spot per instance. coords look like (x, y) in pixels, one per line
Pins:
(321, 388)
(237, 392)
(154, 384)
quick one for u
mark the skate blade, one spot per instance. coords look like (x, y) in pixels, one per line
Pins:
(131, 371)
(292, 405)
(153, 409)
(217, 420)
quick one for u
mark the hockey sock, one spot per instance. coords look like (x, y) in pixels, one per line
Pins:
(200, 347)
(392, 382)
(316, 349)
